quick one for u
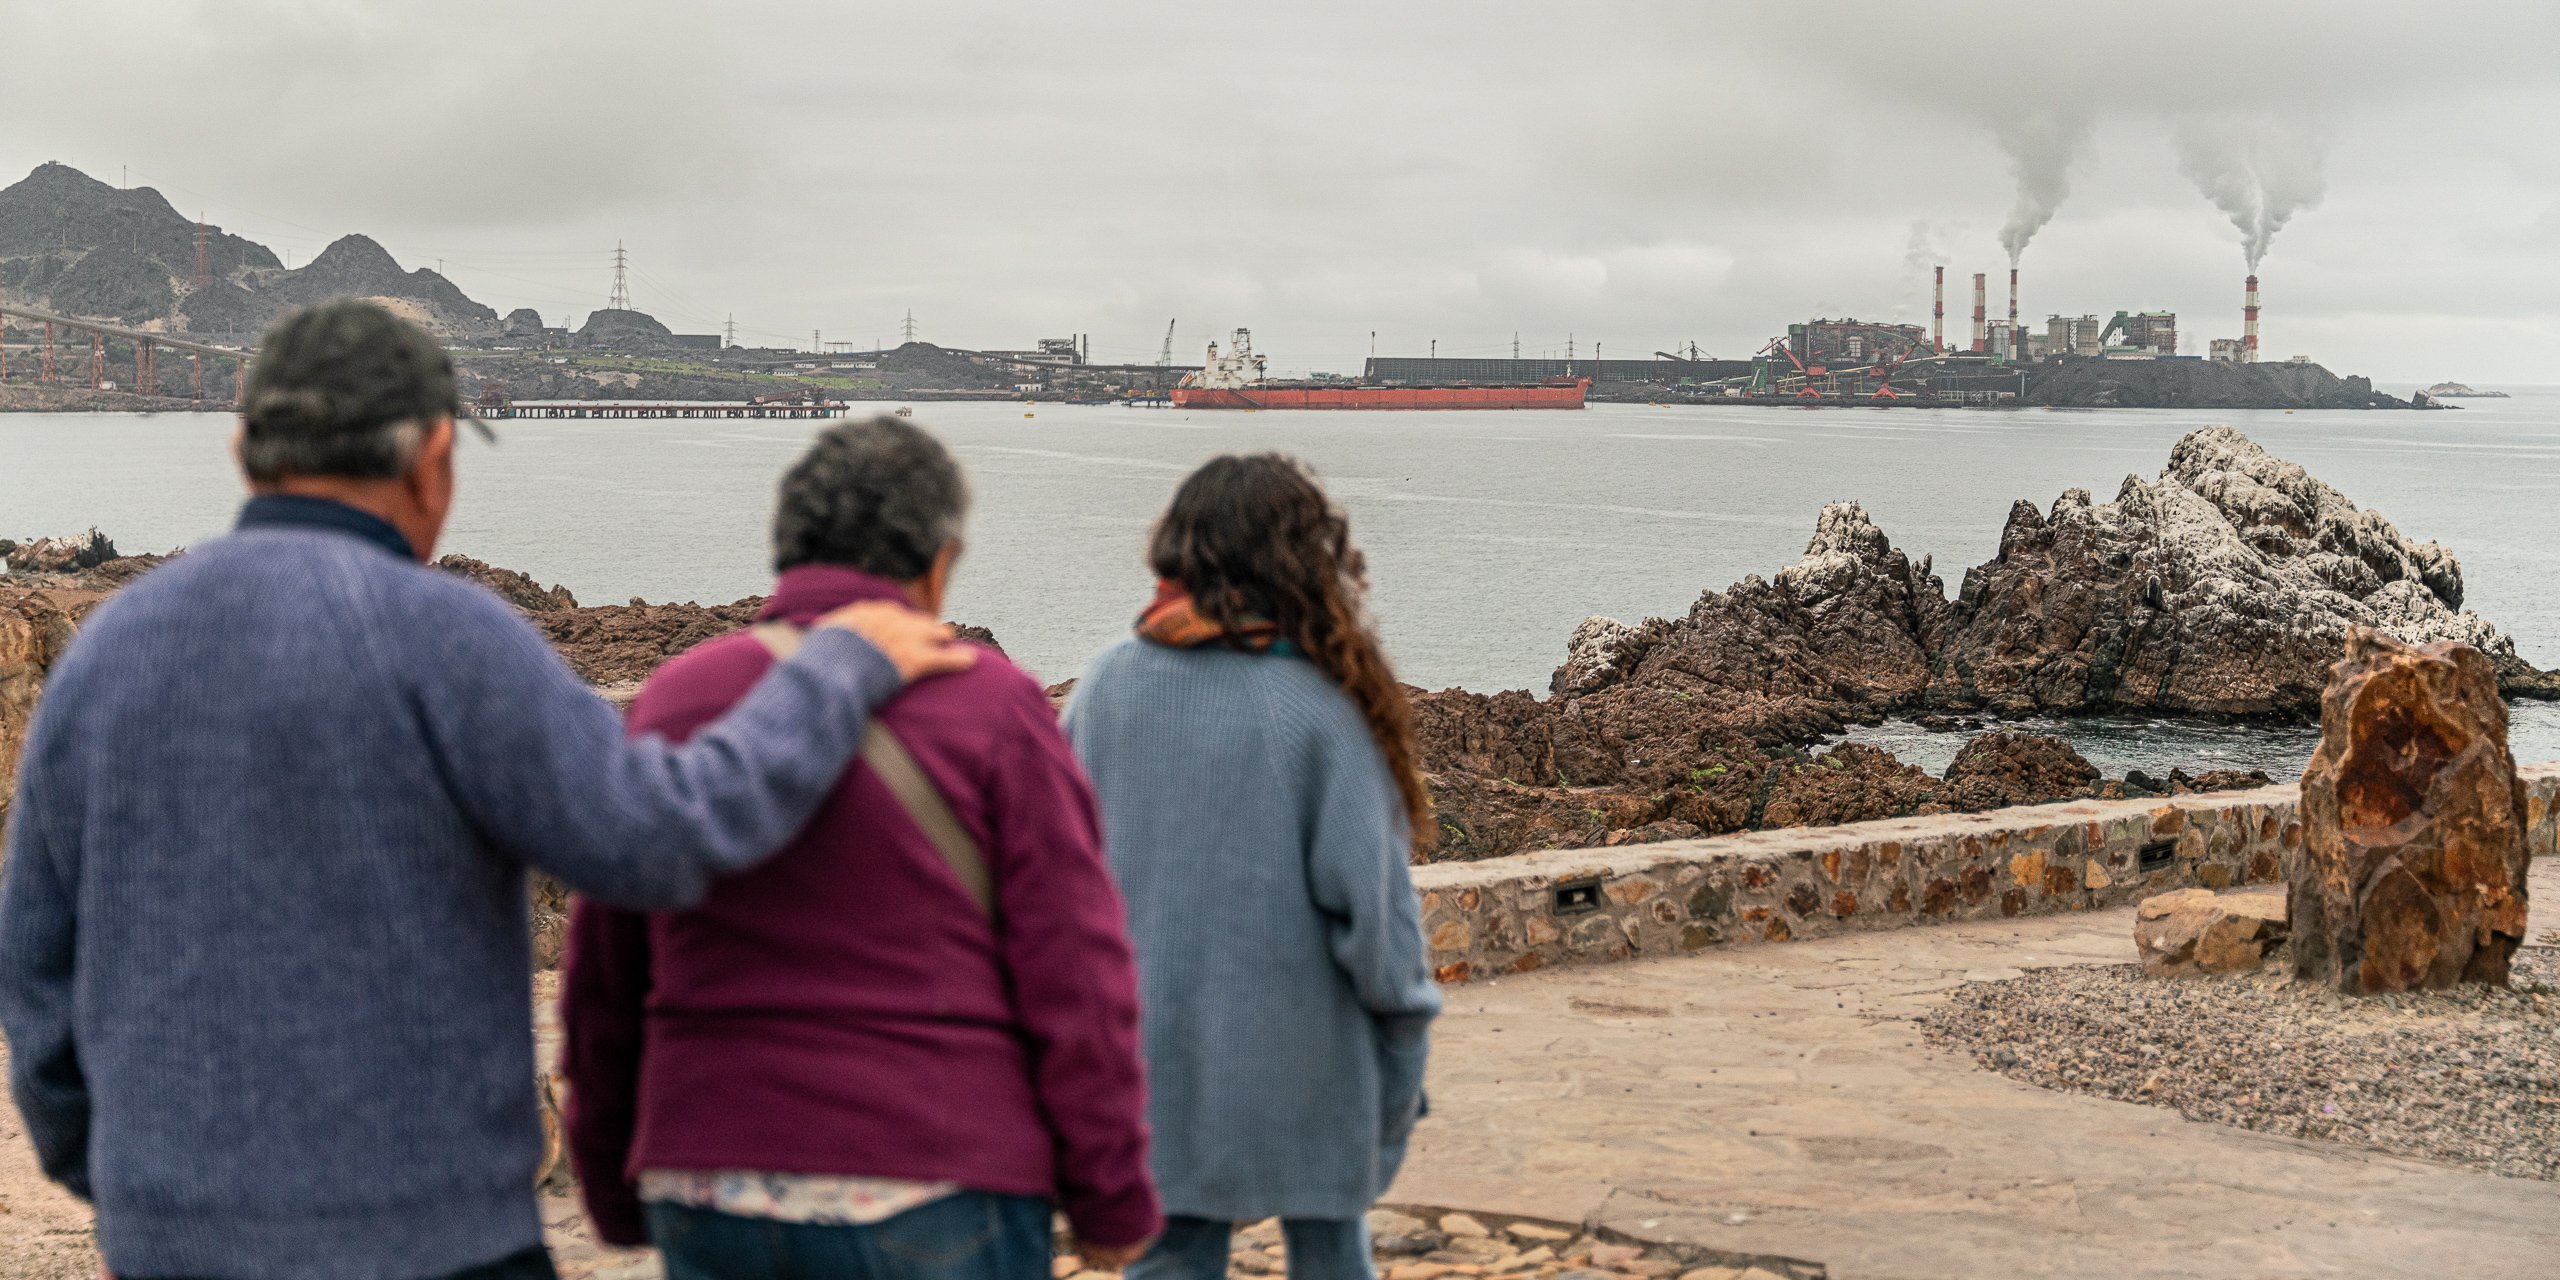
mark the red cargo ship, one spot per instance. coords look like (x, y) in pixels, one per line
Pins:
(1235, 381)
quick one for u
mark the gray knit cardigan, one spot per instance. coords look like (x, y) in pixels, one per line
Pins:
(1262, 848)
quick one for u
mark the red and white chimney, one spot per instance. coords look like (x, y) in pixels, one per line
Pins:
(2249, 323)
(2017, 341)
(1981, 330)
(1938, 315)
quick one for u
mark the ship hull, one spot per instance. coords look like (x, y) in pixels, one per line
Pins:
(1567, 396)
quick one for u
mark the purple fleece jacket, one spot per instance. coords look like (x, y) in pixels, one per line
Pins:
(845, 1008)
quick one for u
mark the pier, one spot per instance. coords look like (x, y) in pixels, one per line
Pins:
(663, 409)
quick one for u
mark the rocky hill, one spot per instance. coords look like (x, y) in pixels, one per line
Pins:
(73, 244)
(2083, 383)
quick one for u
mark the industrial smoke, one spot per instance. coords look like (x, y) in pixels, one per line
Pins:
(2259, 172)
(2042, 149)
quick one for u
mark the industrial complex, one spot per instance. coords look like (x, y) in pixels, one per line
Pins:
(1850, 360)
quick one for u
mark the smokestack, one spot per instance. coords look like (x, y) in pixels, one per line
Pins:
(1981, 335)
(2249, 324)
(2017, 344)
(1938, 315)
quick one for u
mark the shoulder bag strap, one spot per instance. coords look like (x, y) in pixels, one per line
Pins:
(908, 783)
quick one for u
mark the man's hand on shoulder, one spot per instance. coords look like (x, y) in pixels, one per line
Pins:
(915, 643)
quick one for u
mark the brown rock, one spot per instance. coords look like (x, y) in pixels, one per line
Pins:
(1998, 769)
(1851, 782)
(513, 586)
(2225, 584)
(2412, 870)
(2197, 931)
(35, 628)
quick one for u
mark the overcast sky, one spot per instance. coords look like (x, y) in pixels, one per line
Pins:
(1631, 175)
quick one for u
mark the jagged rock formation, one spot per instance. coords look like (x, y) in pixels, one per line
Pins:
(2411, 872)
(73, 244)
(1841, 635)
(515, 587)
(2226, 585)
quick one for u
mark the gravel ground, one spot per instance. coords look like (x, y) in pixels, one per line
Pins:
(2469, 1076)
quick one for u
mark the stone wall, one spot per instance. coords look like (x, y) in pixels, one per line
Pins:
(1584, 906)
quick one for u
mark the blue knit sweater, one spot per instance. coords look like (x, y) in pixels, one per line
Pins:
(1287, 999)
(264, 965)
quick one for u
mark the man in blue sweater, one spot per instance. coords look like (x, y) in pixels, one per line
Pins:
(264, 965)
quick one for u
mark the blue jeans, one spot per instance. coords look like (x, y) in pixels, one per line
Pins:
(1319, 1249)
(532, 1264)
(971, 1235)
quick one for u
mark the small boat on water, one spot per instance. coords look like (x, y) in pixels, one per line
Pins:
(1235, 380)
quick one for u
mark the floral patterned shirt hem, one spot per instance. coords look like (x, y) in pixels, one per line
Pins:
(814, 1199)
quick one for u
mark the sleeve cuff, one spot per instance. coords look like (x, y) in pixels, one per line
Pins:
(1126, 1218)
(617, 1214)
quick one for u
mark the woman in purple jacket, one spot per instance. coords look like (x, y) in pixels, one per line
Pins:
(843, 1063)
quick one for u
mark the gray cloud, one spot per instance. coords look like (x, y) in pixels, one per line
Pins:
(1637, 174)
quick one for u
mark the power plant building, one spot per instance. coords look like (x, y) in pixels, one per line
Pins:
(1832, 343)
(2074, 335)
(2140, 335)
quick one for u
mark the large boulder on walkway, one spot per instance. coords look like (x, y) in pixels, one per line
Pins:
(2411, 872)
(2189, 932)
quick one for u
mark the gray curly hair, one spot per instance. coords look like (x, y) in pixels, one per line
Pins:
(880, 496)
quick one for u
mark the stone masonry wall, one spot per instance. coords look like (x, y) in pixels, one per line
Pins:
(1584, 906)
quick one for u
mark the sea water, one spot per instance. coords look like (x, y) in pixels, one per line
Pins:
(1489, 534)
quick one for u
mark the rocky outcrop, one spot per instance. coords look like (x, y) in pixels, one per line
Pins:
(35, 626)
(2195, 932)
(1842, 635)
(1851, 782)
(2411, 872)
(515, 587)
(57, 555)
(2224, 586)
(1998, 769)
(524, 322)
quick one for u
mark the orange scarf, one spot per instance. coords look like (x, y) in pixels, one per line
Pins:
(1174, 620)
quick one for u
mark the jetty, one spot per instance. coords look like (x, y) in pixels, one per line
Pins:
(664, 409)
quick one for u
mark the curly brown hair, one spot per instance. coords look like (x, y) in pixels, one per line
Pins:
(1256, 538)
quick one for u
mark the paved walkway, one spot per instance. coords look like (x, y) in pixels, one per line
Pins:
(1777, 1100)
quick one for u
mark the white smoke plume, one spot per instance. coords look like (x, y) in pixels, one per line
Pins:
(2260, 171)
(1927, 247)
(2042, 149)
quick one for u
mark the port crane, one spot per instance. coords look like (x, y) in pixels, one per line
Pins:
(1165, 356)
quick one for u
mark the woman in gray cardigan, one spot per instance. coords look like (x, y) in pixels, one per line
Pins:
(1260, 799)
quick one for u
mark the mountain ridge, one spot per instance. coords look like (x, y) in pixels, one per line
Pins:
(72, 244)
